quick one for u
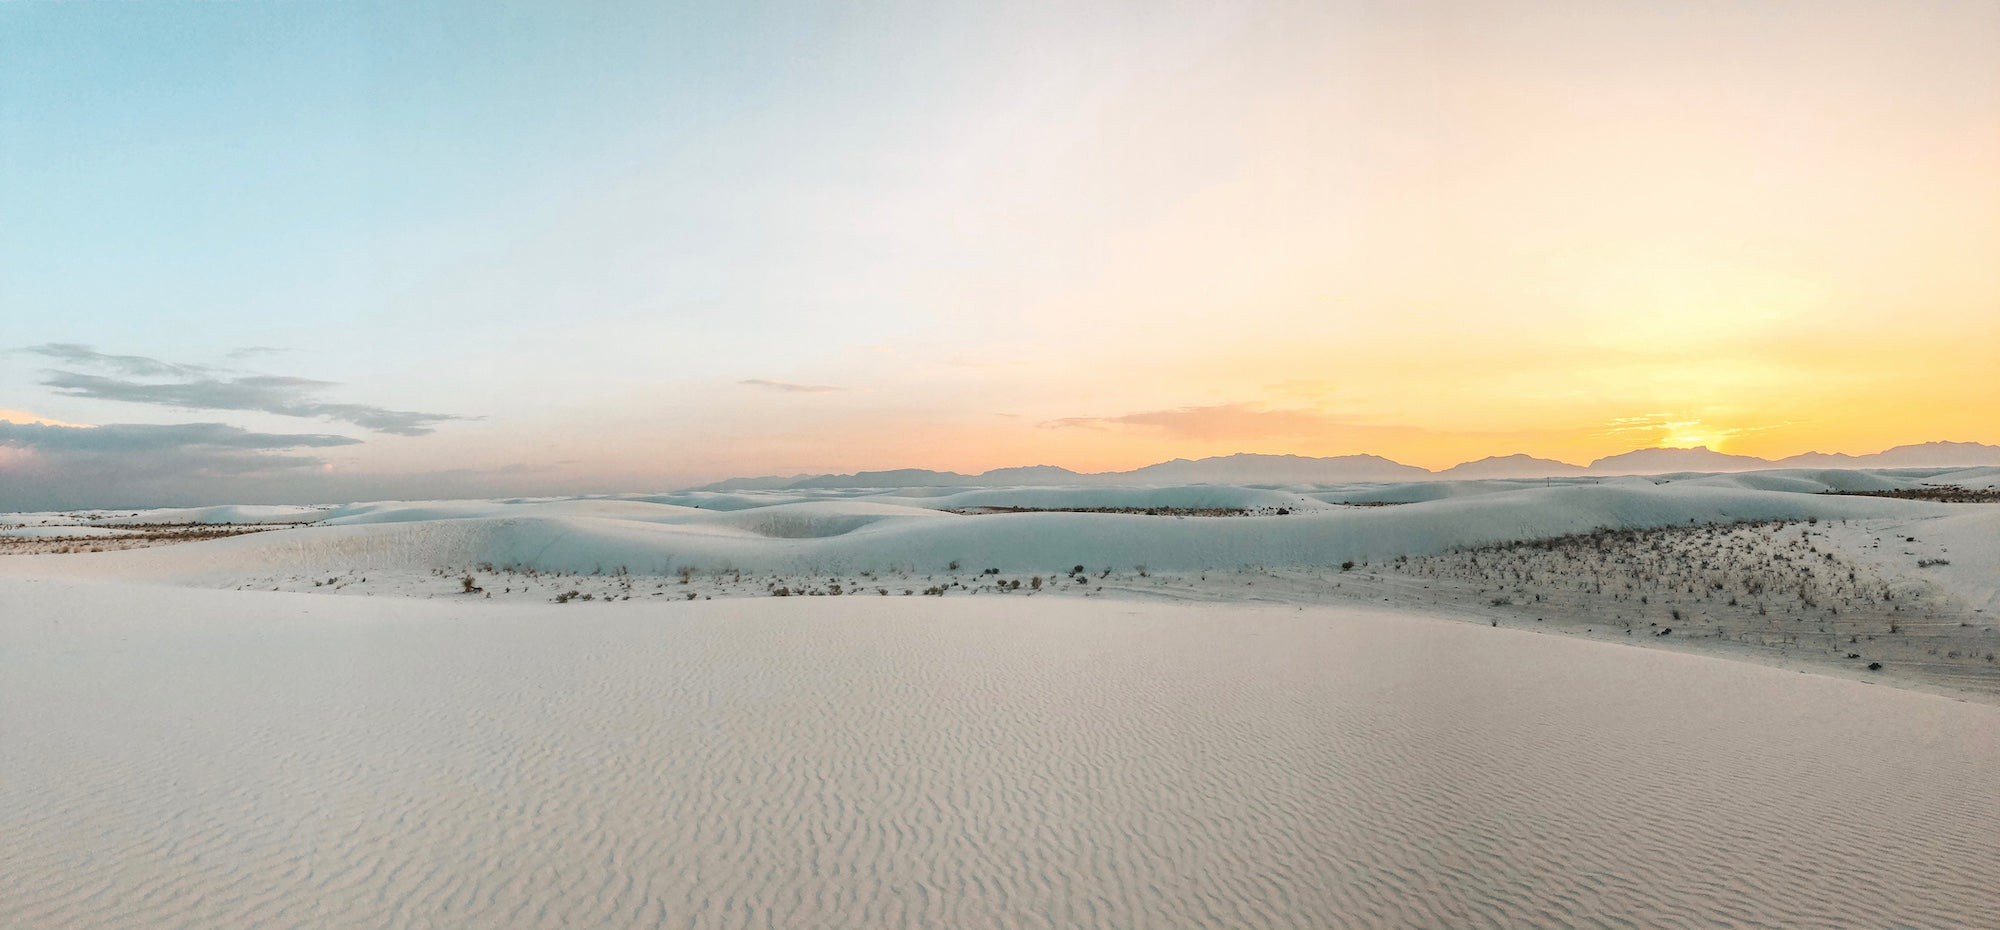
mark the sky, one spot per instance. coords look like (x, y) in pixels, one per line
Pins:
(323, 250)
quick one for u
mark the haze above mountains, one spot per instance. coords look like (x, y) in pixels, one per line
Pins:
(1252, 468)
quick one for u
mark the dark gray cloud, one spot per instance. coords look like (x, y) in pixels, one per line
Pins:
(190, 464)
(279, 394)
(135, 464)
(135, 365)
(146, 437)
(789, 386)
(50, 466)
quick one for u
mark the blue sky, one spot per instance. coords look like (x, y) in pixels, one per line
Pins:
(187, 177)
(382, 187)
(613, 242)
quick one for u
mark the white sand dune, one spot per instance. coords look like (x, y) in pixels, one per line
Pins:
(1160, 754)
(1963, 547)
(1984, 476)
(191, 758)
(61, 531)
(1192, 496)
(225, 513)
(878, 534)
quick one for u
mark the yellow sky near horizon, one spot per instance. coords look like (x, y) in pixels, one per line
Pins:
(1089, 235)
(1767, 235)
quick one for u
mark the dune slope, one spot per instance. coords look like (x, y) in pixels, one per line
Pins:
(829, 536)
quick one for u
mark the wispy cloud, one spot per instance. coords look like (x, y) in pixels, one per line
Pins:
(244, 352)
(789, 386)
(1303, 389)
(135, 365)
(1227, 421)
(1679, 430)
(194, 388)
(146, 437)
(1645, 422)
(984, 363)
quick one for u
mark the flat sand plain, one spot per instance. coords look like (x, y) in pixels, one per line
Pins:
(180, 757)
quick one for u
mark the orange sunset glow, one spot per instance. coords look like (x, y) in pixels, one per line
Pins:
(1093, 238)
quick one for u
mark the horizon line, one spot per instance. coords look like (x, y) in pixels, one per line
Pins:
(1994, 447)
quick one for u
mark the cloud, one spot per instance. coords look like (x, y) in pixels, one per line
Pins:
(45, 466)
(244, 352)
(144, 437)
(984, 363)
(1306, 389)
(135, 365)
(51, 478)
(1227, 421)
(788, 386)
(1646, 422)
(23, 416)
(286, 396)
(1682, 431)
(1096, 423)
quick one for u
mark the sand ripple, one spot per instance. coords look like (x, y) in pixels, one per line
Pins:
(182, 758)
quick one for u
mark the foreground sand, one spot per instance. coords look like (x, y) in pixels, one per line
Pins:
(181, 757)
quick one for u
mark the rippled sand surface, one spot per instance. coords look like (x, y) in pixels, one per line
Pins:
(191, 758)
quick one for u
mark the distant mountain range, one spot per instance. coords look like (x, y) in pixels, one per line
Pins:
(1511, 466)
(1252, 469)
(1701, 458)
